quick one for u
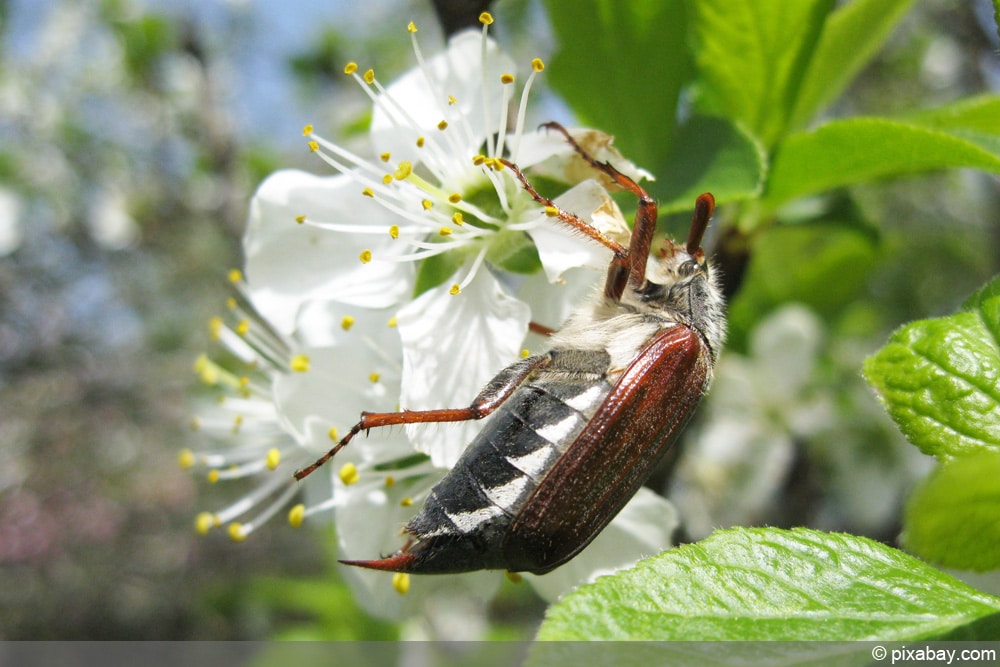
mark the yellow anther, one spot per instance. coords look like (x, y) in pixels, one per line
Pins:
(486, 18)
(206, 370)
(349, 474)
(387, 179)
(506, 78)
(443, 125)
(333, 435)
(307, 130)
(205, 522)
(458, 219)
(296, 515)
(525, 353)
(513, 577)
(551, 211)
(235, 276)
(300, 363)
(374, 377)
(393, 322)
(213, 476)
(367, 192)
(369, 76)
(346, 323)
(236, 532)
(366, 256)
(420, 142)
(185, 458)
(452, 100)
(411, 27)
(215, 327)
(273, 458)
(242, 327)
(350, 68)
(313, 146)
(401, 582)
(300, 219)
(403, 171)
(406, 502)
(537, 64)
(445, 231)
(427, 204)
(385, 157)
(394, 231)
(237, 423)
(231, 303)
(455, 290)
(390, 480)
(454, 198)
(478, 160)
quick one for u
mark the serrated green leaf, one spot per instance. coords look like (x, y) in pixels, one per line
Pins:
(640, 51)
(953, 519)
(752, 56)
(940, 379)
(862, 149)
(770, 584)
(851, 36)
(709, 154)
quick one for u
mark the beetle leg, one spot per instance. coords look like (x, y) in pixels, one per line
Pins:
(489, 399)
(620, 268)
(570, 219)
(540, 329)
(645, 215)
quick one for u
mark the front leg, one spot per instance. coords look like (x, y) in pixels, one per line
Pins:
(489, 399)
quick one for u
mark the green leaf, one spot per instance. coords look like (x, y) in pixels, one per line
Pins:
(436, 269)
(621, 66)
(954, 517)
(709, 154)
(851, 36)
(753, 54)
(770, 584)
(940, 379)
(514, 251)
(862, 149)
(824, 264)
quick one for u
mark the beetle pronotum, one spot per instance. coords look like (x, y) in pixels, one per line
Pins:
(579, 428)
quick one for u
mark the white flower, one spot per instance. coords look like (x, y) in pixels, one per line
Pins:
(408, 281)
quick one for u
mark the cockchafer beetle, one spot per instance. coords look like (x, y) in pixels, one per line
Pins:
(579, 428)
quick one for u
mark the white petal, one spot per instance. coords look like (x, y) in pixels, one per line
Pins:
(289, 264)
(552, 303)
(339, 384)
(560, 247)
(452, 346)
(643, 528)
(457, 71)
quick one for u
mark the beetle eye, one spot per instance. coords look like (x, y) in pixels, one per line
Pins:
(688, 269)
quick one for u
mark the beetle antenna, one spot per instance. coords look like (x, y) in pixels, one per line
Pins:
(704, 206)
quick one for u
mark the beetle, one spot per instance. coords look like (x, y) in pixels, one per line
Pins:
(579, 428)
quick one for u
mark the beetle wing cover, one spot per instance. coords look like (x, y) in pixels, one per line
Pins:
(605, 466)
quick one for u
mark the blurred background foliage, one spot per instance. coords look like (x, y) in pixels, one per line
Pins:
(132, 135)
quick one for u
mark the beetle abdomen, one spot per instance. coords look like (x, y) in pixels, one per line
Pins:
(468, 512)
